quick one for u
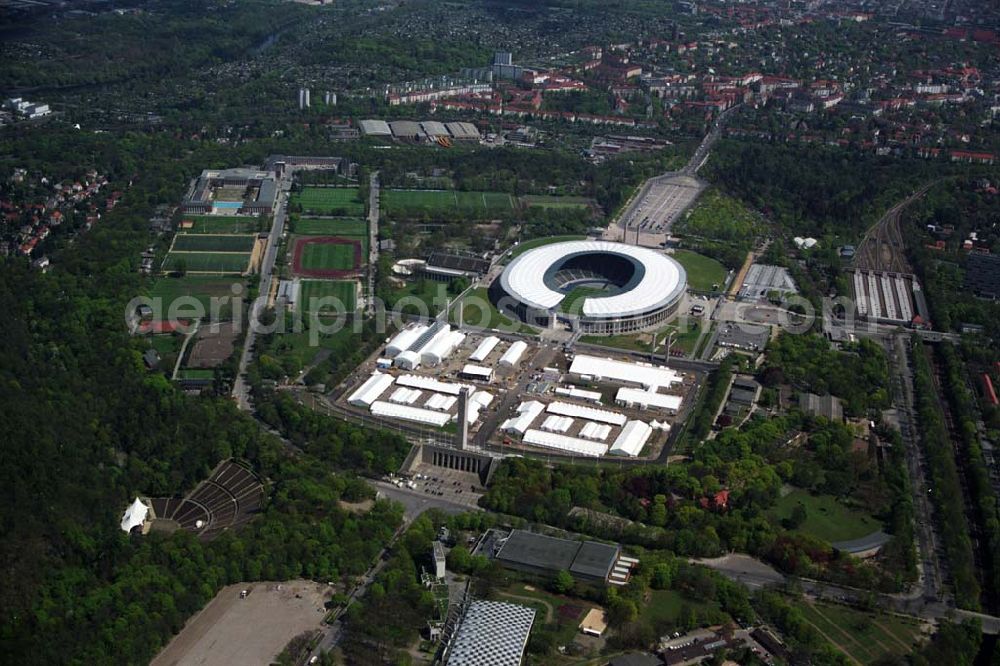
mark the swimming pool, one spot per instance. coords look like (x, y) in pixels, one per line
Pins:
(228, 205)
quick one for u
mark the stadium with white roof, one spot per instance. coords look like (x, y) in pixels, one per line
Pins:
(597, 287)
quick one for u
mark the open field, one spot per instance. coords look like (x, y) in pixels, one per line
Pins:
(225, 224)
(521, 248)
(684, 339)
(327, 256)
(543, 201)
(213, 243)
(864, 637)
(207, 262)
(826, 518)
(564, 623)
(344, 291)
(230, 630)
(415, 203)
(478, 311)
(213, 345)
(702, 272)
(344, 226)
(329, 200)
(719, 217)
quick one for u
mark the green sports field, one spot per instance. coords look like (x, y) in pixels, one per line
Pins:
(344, 291)
(207, 262)
(866, 637)
(341, 200)
(344, 226)
(573, 303)
(221, 224)
(328, 256)
(202, 287)
(212, 243)
(402, 203)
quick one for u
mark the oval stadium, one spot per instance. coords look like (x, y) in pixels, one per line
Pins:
(596, 287)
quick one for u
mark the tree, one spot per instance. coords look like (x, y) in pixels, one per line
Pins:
(563, 582)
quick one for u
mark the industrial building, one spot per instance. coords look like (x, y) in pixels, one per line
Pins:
(889, 297)
(643, 287)
(491, 633)
(763, 280)
(377, 128)
(587, 561)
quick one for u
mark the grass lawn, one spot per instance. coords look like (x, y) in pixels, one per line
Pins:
(684, 340)
(826, 518)
(213, 243)
(664, 607)
(702, 271)
(573, 303)
(864, 636)
(521, 248)
(544, 201)
(342, 200)
(207, 262)
(449, 202)
(433, 295)
(478, 311)
(223, 224)
(344, 291)
(166, 345)
(297, 347)
(328, 256)
(343, 226)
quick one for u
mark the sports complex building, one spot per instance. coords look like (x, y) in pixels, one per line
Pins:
(596, 287)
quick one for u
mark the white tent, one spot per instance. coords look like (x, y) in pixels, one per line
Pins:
(135, 514)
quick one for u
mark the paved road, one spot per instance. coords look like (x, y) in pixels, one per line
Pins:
(241, 389)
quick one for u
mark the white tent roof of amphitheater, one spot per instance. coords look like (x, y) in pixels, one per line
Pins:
(662, 282)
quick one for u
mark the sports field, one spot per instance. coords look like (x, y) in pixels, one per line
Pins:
(330, 257)
(341, 293)
(573, 303)
(207, 262)
(545, 201)
(223, 224)
(231, 630)
(329, 200)
(212, 243)
(202, 287)
(344, 226)
(447, 203)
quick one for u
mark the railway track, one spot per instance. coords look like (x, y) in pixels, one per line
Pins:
(882, 249)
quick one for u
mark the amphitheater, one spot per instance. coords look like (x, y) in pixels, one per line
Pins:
(595, 287)
(230, 497)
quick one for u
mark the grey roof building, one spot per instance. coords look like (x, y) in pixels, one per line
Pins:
(826, 406)
(587, 561)
(492, 633)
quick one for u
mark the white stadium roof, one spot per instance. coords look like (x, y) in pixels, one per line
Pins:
(659, 279)
(631, 439)
(643, 374)
(551, 440)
